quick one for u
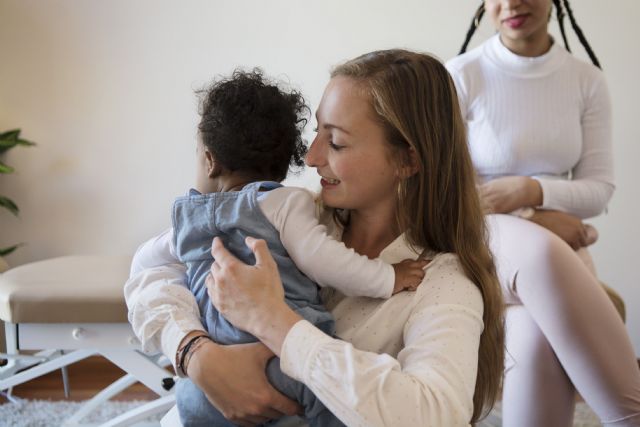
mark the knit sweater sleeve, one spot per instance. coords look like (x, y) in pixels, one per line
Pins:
(591, 184)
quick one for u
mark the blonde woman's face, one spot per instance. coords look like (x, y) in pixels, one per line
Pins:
(519, 20)
(350, 151)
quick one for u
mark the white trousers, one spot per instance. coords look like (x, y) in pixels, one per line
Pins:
(563, 333)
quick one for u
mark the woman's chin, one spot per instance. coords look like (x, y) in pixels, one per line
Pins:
(328, 203)
(331, 202)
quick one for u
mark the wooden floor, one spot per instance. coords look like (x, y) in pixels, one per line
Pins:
(86, 378)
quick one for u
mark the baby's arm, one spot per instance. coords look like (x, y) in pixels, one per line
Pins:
(326, 260)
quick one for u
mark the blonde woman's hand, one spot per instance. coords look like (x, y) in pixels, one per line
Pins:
(506, 194)
(251, 297)
(233, 379)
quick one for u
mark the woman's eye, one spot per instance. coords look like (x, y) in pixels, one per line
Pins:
(335, 147)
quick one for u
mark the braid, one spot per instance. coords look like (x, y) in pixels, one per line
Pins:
(560, 17)
(472, 29)
(580, 35)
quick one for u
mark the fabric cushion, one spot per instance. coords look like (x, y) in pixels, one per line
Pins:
(70, 289)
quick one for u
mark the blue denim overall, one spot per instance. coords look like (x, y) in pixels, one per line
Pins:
(233, 216)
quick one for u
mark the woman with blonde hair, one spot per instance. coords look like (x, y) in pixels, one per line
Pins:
(397, 182)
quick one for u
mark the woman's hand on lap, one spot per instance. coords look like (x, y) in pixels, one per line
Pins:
(506, 194)
(233, 379)
(569, 228)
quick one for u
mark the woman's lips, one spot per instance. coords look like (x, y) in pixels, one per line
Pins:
(516, 21)
(328, 182)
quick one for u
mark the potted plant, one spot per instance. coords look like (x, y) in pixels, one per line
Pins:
(8, 140)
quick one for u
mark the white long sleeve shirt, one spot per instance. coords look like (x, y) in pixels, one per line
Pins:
(407, 360)
(548, 117)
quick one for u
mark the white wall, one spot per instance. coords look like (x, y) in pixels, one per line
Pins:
(106, 89)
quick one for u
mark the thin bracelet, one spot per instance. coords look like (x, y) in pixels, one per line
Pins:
(180, 354)
(189, 354)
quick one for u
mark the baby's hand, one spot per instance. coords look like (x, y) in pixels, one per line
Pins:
(409, 274)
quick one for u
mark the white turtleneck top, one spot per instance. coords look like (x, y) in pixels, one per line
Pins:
(548, 117)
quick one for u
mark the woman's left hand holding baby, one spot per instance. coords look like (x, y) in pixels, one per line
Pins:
(251, 297)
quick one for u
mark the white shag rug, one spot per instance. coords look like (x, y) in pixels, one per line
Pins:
(41, 413)
(44, 413)
(582, 417)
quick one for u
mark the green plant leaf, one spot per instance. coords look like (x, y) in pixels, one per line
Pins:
(25, 142)
(10, 134)
(6, 168)
(7, 144)
(7, 251)
(11, 138)
(7, 203)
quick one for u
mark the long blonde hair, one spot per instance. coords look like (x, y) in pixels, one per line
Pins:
(438, 207)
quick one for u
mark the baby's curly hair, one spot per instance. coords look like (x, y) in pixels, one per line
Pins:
(251, 125)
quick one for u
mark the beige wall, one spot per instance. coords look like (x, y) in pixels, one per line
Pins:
(106, 89)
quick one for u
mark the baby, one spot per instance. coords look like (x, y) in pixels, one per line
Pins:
(249, 136)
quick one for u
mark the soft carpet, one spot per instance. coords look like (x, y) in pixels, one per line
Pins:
(43, 413)
(40, 413)
(582, 417)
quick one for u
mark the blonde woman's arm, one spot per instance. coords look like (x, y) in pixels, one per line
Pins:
(164, 314)
(431, 381)
(162, 310)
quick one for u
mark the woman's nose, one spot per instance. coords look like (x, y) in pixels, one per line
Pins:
(316, 155)
(511, 4)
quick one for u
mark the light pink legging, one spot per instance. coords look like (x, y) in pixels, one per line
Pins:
(563, 333)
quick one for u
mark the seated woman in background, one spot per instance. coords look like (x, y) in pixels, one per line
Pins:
(397, 182)
(539, 129)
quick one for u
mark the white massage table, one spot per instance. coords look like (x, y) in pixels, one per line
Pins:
(62, 310)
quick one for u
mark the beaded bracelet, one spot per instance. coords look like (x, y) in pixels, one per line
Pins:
(182, 352)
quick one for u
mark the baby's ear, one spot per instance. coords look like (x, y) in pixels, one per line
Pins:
(214, 169)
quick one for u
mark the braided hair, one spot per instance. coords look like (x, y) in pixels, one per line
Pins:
(561, 6)
(473, 27)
